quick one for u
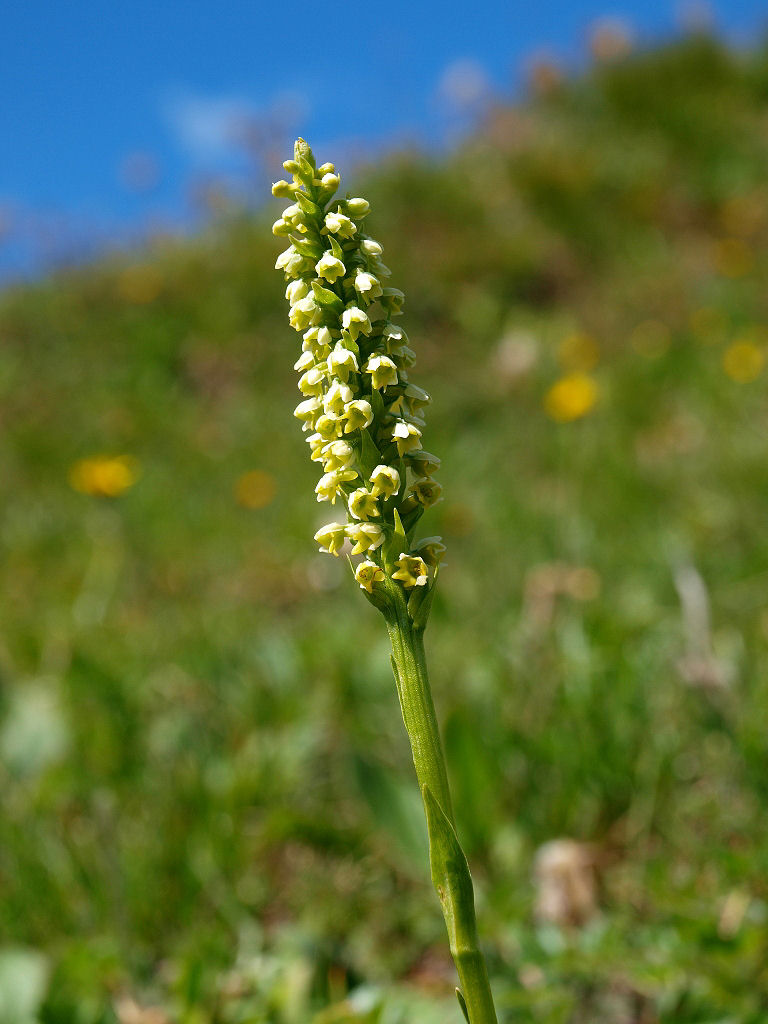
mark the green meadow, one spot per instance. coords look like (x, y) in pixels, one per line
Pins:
(208, 810)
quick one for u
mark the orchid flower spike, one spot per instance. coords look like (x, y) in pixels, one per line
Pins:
(362, 412)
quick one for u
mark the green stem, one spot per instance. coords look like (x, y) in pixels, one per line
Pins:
(450, 873)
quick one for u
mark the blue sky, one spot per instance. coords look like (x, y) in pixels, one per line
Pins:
(112, 112)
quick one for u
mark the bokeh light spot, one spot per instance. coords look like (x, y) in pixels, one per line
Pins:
(255, 489)
(743, 361)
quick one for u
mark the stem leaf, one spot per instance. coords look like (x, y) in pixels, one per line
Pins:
(463, 1005)
(450, 877)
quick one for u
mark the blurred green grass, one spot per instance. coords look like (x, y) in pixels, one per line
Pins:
(208, 807)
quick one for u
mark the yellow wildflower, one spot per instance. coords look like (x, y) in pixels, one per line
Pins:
(571, 397)
(105, 476)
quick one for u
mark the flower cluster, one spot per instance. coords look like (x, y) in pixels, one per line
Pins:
(363, 415)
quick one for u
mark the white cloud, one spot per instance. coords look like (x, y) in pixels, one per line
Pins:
(213, 128)
(464, 84)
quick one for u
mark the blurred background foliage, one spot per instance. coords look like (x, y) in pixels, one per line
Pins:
(208, 810)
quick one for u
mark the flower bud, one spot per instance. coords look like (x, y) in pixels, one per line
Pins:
(358, 208)
(303, 151)
(371, 247)
(392, 300)
(427, 492)
(423, 463)
(281, 228)
(330, 182)
(283, 189)
(431, 549)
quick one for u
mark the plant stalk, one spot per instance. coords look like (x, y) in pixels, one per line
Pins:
(450, 873)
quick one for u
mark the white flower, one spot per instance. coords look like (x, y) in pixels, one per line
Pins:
(411, 571)
(328, 426)
(337, 398)
(342, 362)
(371, 247)
(407, 437)
(339, 224)
(365, 537)
(304, 313)
(330, 267)
(308, 409)
(281, 227)
(331, 538)
(295, 264)
(368, 573)
(367, 285)
(316, 444)
(296, 290)
(330, 485)
(337, 455)
(382, 370)
(385, 480)
(311, 382)
(305, 362)
(362, 504)
(354, 320)
(317, 340)
(357, 414)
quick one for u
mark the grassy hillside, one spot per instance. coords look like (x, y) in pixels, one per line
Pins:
(208, 811)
